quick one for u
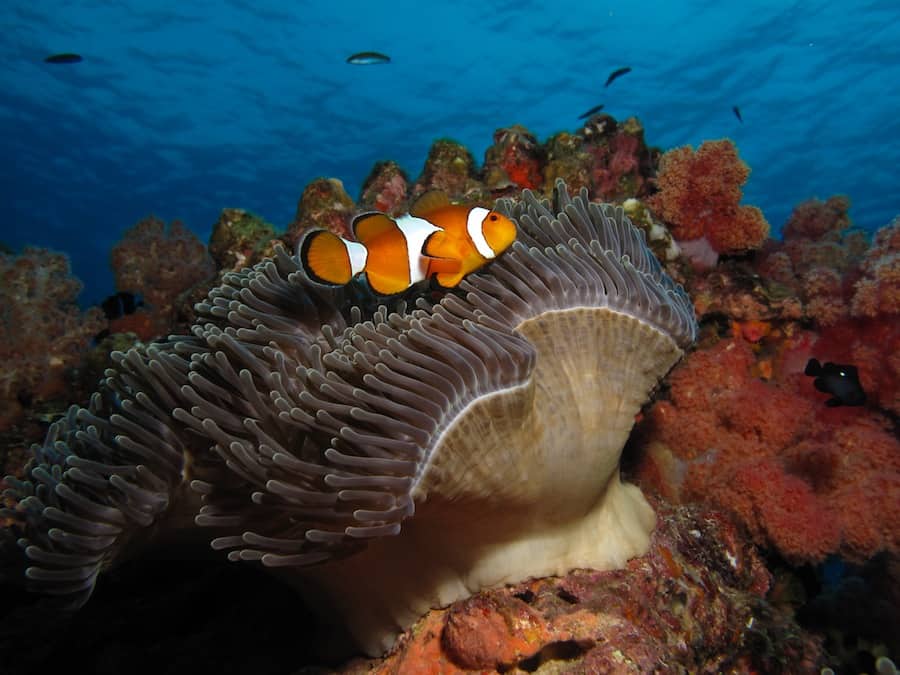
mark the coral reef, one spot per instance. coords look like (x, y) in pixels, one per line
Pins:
(567, 160)
(324, 204)
(385, 189)
(450, 167)
(699, 198)
(165, 266)
(513, 161)
(302, 425)
(694, 602)
(42, 331)
(240, 239)
(622, 164)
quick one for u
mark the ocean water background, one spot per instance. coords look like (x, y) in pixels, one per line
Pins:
(181, 109)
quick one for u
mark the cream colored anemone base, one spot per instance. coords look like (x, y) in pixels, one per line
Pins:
(523, 482)
(383, 590)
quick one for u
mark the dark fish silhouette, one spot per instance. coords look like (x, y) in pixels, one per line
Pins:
(595, 109)
(841, 381)
(615, 75)
(63, 58)
(368, 58)
(737, 113)
(121, 304)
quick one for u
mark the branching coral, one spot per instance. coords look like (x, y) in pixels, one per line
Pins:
(42, 331)
(699, 197)
(424, 454)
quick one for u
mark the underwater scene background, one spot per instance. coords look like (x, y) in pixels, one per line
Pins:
(155, 149)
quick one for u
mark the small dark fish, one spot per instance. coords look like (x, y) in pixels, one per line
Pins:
(595, 109)
(737, 113)
(368, 59)
(615, 75)
(841, 381)
(121, 304)
(63, 58)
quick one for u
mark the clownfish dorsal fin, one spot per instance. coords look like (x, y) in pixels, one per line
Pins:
(367, 226)
(429, 202)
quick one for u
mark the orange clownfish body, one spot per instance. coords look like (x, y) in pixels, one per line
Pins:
(436, 239)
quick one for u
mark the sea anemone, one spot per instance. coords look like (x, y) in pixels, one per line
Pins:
(423, 454)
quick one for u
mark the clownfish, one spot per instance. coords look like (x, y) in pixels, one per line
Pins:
(436, 239)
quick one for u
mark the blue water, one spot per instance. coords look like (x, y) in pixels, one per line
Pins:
(180, 109)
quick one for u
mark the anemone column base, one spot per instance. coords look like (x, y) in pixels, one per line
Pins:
(380, 592)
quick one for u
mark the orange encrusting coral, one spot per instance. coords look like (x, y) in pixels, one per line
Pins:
(699, 196)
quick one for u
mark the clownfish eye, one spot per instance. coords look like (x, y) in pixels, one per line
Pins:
(493, 216)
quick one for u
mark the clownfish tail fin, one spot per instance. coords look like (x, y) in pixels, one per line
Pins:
(326, 258)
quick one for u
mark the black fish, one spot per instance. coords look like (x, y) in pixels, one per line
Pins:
(737, 113)
(121, 304)
(595, 109)
(841, 381)
(368, 58)
(616, 74)
(63, 58)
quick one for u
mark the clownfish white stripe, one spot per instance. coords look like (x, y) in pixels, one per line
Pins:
(358, 255)
(474, 227)
(416, 231)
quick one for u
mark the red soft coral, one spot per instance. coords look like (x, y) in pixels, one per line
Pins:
(806, 480)
(699, 196)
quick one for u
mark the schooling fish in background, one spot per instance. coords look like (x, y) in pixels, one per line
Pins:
(841, 381)
(615, 75)
(63, 58)
(368, 59)
(436, 239)
(595, 109)
(737, 113)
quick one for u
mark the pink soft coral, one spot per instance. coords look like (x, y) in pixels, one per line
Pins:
(699, 196)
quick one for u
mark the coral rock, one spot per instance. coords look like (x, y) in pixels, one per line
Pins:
(385, 189)
(694, 602)
(240, 239)
(567, 160)
(514, 160)
(450, 167)
(324, 204)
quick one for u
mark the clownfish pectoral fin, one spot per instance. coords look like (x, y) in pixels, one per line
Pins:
(446, 266)
(449, 279)
(428, 202)
(439, 244)
(368, 226)
(386, 284)
(326, 257)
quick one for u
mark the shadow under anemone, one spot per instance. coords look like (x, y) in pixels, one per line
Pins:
(385, 462)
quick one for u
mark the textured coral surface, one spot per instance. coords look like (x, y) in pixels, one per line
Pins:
(693, 603)
(699, 197)
(160, 263)
(43, 334)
